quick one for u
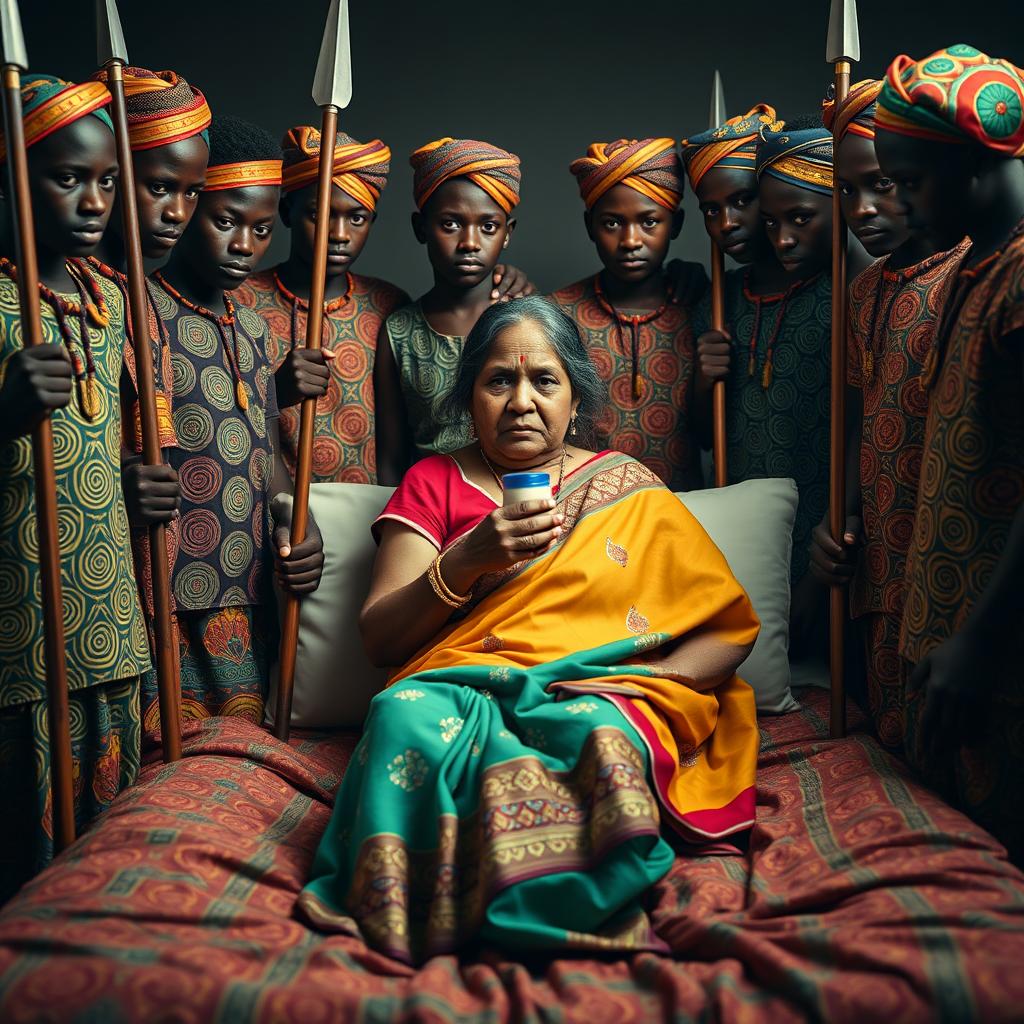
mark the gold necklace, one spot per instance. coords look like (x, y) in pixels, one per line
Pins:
(501, 486)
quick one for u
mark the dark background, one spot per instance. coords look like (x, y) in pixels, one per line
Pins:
(543, 78)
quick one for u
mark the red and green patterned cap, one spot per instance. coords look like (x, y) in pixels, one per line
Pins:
(956, 95)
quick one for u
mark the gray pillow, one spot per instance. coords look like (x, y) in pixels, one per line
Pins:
(752, 525)
(334, 680)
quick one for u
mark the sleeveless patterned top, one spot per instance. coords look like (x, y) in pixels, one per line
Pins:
(427, 363)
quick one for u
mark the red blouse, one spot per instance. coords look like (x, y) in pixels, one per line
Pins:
(437, 501)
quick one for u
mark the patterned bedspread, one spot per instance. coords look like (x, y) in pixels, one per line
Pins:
(862, 898)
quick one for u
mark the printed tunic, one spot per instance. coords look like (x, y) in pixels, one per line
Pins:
(224, 458)
(893, 317)
(343, 427)
(104, 632)
(782, 429)
(652, 424)
(972, 468)
(427, 363)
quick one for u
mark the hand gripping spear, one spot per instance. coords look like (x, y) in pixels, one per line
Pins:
(842, 49)
(113, 55)
(332, 91)
(15, 60)
(718, 116)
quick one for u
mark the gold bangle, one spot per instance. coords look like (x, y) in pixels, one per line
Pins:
(461, 598)
(441, 589)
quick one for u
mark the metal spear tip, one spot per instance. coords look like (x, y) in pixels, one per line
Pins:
(110, 44)
(14, 52)
(843, 33)
(718, 113)
(332, 83)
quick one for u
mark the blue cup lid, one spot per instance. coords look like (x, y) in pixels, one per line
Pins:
(514, 481)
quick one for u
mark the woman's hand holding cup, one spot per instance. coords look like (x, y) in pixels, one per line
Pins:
(506, 536)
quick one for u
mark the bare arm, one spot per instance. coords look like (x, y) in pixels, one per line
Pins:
(394, 439)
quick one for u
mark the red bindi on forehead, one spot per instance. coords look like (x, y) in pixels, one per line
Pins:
(522, 359)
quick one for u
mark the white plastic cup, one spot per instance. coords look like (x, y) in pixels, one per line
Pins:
(520, 487)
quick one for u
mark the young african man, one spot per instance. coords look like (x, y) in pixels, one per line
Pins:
(167, 130)
(637, 330)
(75, 379)
(465, 191)
(894, 307)
(951, 135)
(774, 353)
(225, 417)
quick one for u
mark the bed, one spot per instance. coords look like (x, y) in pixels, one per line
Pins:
(862, 897)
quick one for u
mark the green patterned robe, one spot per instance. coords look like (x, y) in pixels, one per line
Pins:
(105, 637)
(426, 363)
(781, 430)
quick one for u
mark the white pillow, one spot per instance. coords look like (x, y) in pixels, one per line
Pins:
(334, 680)
(752, 525)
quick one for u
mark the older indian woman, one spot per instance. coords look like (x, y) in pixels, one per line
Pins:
(567, 680)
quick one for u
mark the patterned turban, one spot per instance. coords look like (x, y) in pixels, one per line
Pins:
(856, 114)
(956, 95)
(802, 157)
(492, 169)
(162, 108)
(651, 166)
(733, 144)
(49, 104)
(360, 168)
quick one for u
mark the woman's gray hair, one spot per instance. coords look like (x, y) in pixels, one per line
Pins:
(562, 335)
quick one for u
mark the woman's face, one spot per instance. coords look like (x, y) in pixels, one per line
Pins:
(522, 398)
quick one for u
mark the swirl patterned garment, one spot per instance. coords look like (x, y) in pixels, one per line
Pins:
(343, 428)
(783, 429)
(972, 488)
(103, 625)
(893, 316)
(426, 363)
(650, 425)
(224, 459)
(105, 639)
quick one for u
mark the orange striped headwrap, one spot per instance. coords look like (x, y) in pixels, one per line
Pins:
(49, 104)
(162, 108)
(733, 144)
(492, 169)
(244, 174)
(360, 168)
(650, 166)
(856, 115)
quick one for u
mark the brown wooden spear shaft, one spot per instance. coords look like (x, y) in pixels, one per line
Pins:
(837, 442)
(45, 478)
(304, 466)
(718, 392)
(166, 667)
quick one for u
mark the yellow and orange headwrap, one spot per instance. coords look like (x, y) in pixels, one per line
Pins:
(243, 174)
(494, 170)
(733, 144)
(360, 168)
(650, 166)
(856, 115)
(162, 108)
(49, 104)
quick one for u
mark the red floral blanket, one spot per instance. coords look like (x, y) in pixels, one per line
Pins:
(861, 897)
